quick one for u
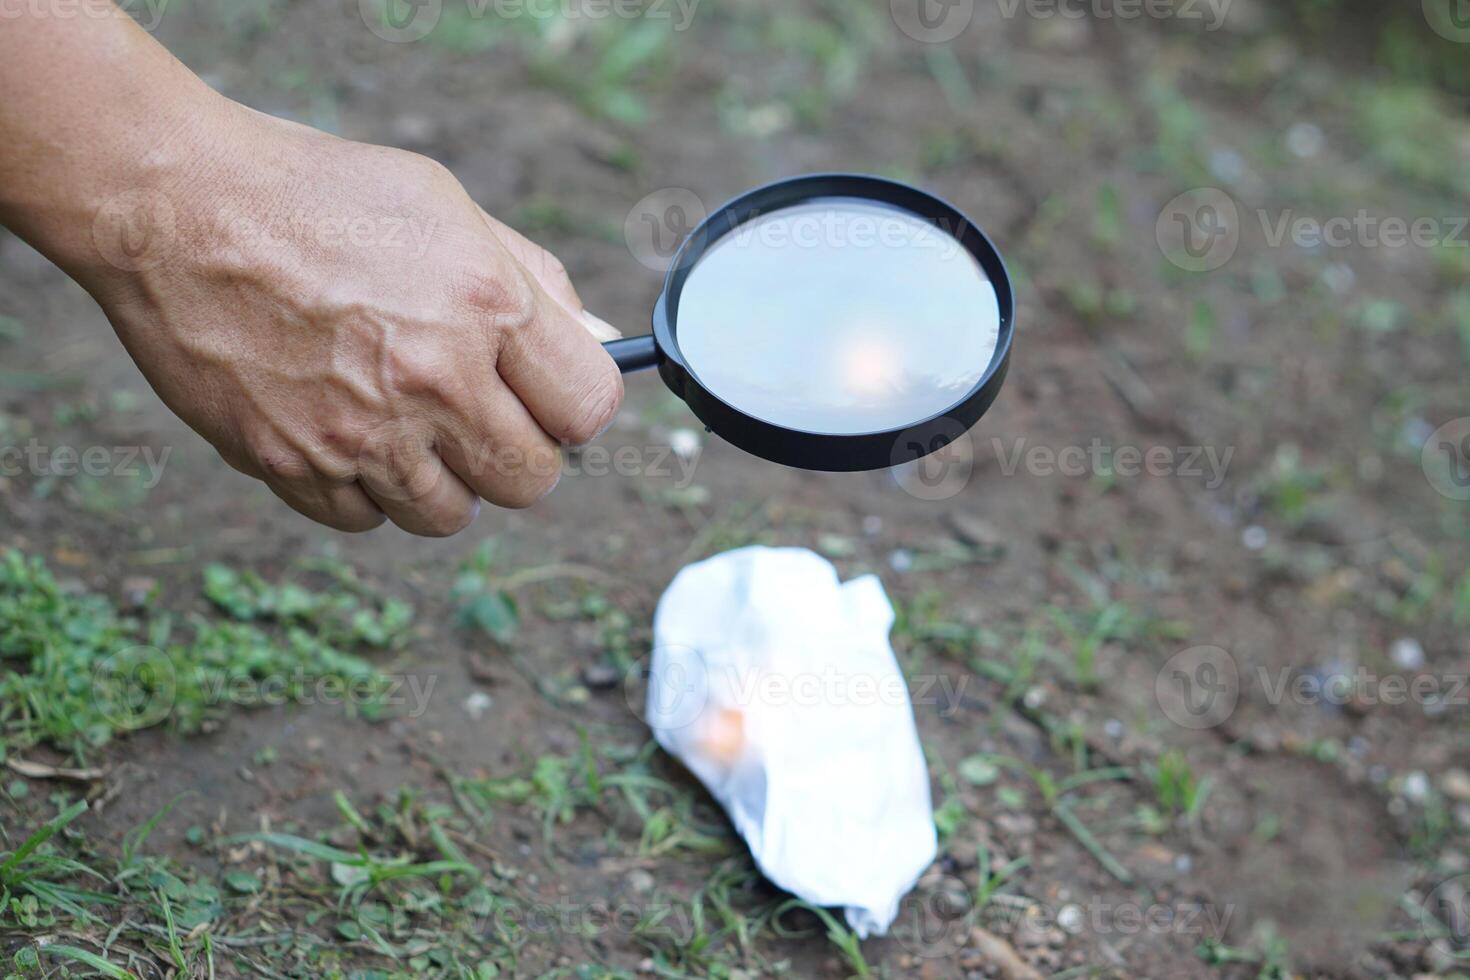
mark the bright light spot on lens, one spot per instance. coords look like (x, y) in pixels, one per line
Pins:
(838, 316)
(869, 365)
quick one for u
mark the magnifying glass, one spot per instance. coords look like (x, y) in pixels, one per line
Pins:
(834, 322)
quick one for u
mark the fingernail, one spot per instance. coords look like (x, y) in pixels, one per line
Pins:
(599, 327)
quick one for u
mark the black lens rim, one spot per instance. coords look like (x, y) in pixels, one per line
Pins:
(838, 453)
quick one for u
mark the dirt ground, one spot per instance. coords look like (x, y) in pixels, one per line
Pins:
(1179, 633)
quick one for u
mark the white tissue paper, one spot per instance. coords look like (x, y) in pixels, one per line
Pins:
(776, 685)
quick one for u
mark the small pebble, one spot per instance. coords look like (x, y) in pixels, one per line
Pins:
(477, 704)
(976, 531)
(951, 903)
(1407, 653)
(600, 676)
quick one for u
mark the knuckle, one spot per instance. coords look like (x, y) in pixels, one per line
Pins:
(433, 170)
(462, 397)
(423, 171)
(414, 369)
(554, 270)
(402, 476)
(331, 464)
(282, 465)
(393, 447)
(505, 295)
(597, 400)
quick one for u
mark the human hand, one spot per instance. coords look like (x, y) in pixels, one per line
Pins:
(344, 323)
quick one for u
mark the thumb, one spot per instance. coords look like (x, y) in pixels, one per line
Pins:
(600, 328)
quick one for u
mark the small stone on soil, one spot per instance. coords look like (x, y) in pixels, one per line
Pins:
(600, 676)
(477, 704)
(976, 531)
(1407, 653)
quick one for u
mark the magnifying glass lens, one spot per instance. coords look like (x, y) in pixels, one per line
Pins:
(838, 316)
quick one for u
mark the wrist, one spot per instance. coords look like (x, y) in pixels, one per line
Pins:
(101, 132)
(128, 210)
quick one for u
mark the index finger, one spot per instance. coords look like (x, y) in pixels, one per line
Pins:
(559, 371)
(549, 271)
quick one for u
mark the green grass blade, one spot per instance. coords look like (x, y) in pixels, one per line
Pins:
(41, 836)
(90, 959)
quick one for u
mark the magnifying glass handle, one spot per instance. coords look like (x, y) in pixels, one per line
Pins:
(633, 353)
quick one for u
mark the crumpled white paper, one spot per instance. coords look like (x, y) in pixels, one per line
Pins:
(776, 685)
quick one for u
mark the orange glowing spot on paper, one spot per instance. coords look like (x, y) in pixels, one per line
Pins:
(723, 737)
